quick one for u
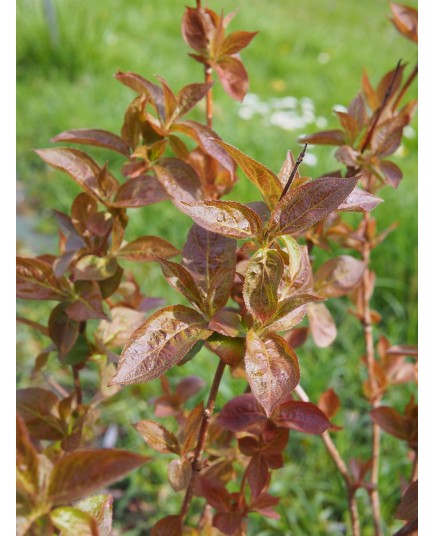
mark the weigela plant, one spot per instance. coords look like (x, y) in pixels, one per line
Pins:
(247, 272)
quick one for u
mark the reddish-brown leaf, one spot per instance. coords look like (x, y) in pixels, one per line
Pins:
(215, 493)
(189, 96)
(262, 177)
(77, 164)
(405, 20)
(227, 522)
(62, 330)
(350, 126)
(82, 472)
(339, 276)
(291, 311)
(407, 509)
(182, 281)
(271, 368)
(257, 474)
(160, 343)
(147, 249)
(261, 282)
(326, 137)
(211, 259)
(321, 324)
(168, 526)
(306, 205)
(302, 416)
(230, 349)
(391, 172)
(265, 504)
(242, 413)
(228, 218)
(88, 303)
(36, 281)
(158, 437)
(179, 474)
(227, 323)
(207, 140)
(141, 85)
(235, 42)
(359, 201)
(194, 29)
(140, 192)
(39, 409)
(387, 136)
(100, 138)
(27, 460)
(179, 179)
(233, 76)
(190, 432)
(329, 403)
(389, 420)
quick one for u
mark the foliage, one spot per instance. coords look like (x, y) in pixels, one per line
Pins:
(246, 301)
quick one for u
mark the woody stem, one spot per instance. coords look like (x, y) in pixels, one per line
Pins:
(196, 463)
(341, 467)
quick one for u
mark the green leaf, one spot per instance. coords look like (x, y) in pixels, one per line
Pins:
(262, 278)
(72, 521)
(159, 343)
(228, 218)
(100, 507)
(272, 369)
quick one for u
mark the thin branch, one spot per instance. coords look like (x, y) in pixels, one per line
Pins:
(409, 529)
(379, 111)
(341, 467)
(294, 171)
(370, 359)
(209, 103)
(77, 385)
(56, 386)
(200, 446)
(414, 469)
(405, 87)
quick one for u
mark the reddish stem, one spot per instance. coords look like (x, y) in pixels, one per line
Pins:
(200, 446)
(209, 103)
(370, 360)
(405, 87)
(341, 467)
(379, 111)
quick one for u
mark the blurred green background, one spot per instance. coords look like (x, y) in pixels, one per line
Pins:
(307, 59)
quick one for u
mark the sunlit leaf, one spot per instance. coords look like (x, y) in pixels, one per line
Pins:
(160, 343)
(303, 206)
(271, 368)
(228, 218)
(261, 282)
(147, 249)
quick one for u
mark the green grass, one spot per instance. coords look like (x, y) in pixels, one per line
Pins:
(71, 85)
